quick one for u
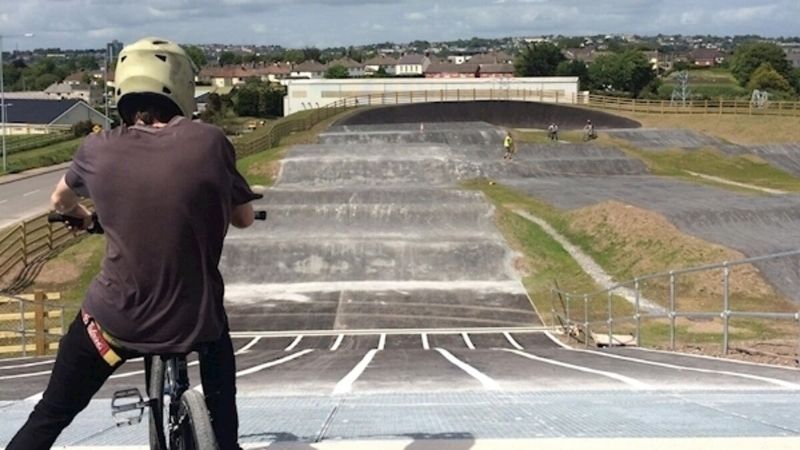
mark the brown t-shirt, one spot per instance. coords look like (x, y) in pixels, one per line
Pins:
(164, 197)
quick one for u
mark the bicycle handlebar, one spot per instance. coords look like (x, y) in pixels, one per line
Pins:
(96, 228)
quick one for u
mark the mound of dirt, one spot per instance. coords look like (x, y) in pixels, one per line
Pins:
(640, 242)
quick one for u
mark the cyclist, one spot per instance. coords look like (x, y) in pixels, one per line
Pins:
(589, 131)
(508, 144)
(165, 189)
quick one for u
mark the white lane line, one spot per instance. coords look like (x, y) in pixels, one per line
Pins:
(345, 385)
(775, 381)
(247, 347)
(425, 345)
(277, 362)
(557, 341)
(27, 194)
(488, 383)
(382, 342)
(34, 398)
(716, 359)
(294, 343)
(337, 343)
(467, 341)
(634, 383)
(512, 341)
(141, 372)
(22, 366)
(25, 375)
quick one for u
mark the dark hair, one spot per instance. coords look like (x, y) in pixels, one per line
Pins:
(148, 108)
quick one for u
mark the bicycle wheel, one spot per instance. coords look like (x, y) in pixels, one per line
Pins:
(158, 409)
(194, 424)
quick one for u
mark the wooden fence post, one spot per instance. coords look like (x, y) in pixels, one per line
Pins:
(39, 323)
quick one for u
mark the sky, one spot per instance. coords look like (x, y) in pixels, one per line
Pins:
(79, 24)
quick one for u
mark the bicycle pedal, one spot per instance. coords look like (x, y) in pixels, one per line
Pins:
(127, 407)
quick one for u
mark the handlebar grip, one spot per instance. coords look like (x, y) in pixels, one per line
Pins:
(261, 215)
(76, 222)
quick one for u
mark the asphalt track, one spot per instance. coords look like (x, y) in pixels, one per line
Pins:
(381, 305)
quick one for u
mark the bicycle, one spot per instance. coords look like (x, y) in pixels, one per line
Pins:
(187, 423)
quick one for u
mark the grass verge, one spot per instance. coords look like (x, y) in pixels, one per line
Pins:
(746, 169)
(627, 242)
(739, 129)
(43, 156)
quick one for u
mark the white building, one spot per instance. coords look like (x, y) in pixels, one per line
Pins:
(309, 94)
(412, 64)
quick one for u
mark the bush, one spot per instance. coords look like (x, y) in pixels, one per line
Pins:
(82, 128)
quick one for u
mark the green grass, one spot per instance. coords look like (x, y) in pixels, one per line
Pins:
(43, 156)
(743, 169)
(20, 143)
(545, 259)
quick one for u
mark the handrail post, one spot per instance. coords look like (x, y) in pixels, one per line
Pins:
(637, 315)
(672, 311)
(586, 320)
(726, 313)
(553, 306)
(38, 317)
(566, 310)
(610, 319)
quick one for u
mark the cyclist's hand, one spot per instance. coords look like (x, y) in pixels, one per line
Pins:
(83, 213)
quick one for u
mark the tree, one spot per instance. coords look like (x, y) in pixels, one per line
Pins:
(312, 54)
(538, 60)
(573, 68)
(628, 71)
(767, 78)
(337, 72)
(227, 58)
(294, 56)
(197, 55)
(750, 56)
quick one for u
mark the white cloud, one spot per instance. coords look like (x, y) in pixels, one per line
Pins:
(88, 23)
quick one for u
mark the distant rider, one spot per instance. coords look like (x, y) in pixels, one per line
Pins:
(552, 132)
(508, 144)
(589, 131)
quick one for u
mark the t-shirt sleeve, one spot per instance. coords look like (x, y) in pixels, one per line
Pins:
(77, 173)
(240, 190)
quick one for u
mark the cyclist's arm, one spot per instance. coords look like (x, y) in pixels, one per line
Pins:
(65, 201)
(243, 216)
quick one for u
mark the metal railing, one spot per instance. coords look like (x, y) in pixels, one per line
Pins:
(30, 323)
(669, 311)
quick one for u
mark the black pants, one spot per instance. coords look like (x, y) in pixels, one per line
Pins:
(79, 372)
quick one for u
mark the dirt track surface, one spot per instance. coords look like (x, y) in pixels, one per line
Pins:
(512, 114)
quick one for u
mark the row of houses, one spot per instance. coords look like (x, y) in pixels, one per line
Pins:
(411, 65)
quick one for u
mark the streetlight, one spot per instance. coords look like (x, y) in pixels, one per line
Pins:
(3, 93)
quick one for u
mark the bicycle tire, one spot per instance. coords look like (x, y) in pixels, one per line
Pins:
(195, 429)
(155, 392)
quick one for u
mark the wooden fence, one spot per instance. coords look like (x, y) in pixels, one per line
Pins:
(30, 323)
(718, 107)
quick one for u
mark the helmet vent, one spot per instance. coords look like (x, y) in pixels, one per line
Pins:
(162, 57)
(119, 91)
(160, 42)
(166, 90)
(123, 58)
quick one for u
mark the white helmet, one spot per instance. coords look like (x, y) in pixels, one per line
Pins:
(157, 66)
